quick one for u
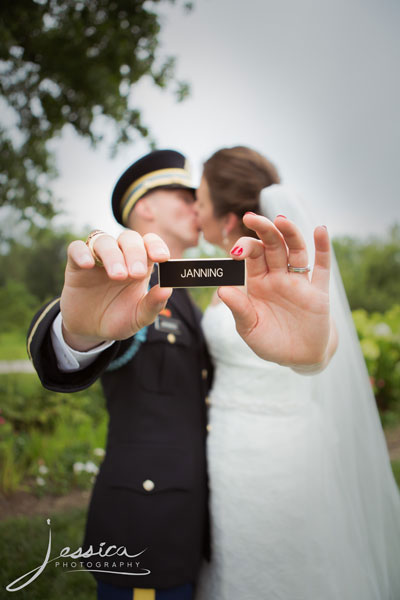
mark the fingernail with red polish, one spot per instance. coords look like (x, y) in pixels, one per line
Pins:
(283, 216)
(237, 251)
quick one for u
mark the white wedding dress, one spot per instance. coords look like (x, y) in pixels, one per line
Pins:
(302, 498)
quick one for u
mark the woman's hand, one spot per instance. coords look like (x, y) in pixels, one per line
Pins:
(283, 316)
(111, 302)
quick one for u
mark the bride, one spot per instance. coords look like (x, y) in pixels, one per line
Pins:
(303, 502)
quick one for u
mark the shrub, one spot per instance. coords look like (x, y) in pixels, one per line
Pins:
(379, 336)
(49, 442)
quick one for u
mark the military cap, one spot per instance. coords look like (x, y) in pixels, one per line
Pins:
(159, 169)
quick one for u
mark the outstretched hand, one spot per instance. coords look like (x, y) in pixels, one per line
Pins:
(283, 316)
(111, 302)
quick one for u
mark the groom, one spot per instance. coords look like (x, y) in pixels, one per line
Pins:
(150, 495)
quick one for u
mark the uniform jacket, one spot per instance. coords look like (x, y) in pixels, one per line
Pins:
(151, 490)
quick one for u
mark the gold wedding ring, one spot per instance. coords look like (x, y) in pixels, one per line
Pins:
(93, 235)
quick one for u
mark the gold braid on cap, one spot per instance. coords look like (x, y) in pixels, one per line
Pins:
(144, 184)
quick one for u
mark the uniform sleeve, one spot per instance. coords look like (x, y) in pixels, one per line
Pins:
(69, 359)
(41, 352)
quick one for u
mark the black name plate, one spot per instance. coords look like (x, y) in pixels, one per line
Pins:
(201, 272)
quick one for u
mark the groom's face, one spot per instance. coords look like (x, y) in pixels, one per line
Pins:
(173, 216)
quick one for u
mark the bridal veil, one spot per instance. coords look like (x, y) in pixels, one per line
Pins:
(357, 503)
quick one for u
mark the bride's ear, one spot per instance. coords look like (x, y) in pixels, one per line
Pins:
(231, 223)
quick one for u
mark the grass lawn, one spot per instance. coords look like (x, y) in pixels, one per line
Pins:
(23, 546)
(13, 346)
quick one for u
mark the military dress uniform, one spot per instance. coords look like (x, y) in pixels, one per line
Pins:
(150, 495)
(151, 490)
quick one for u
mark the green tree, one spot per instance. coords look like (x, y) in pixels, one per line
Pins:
(69, 62)
(17, 306)
(40, 265)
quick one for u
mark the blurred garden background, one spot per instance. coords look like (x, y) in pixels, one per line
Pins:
(87, 86)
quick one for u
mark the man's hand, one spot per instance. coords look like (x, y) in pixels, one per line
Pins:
(283, 316)
(111, 302)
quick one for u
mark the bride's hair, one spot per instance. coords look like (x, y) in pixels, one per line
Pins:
(235, 177)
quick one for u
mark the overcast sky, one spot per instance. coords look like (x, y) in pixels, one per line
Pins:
(314, 85)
